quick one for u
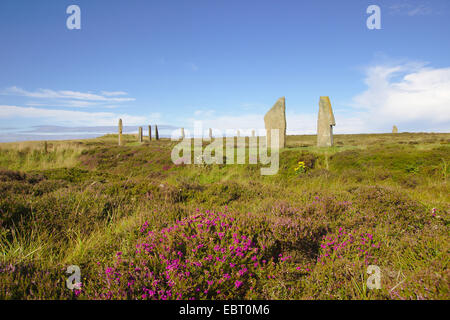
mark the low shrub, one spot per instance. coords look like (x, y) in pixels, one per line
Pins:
(207, 255)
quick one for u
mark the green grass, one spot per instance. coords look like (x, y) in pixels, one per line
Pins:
(80, 202)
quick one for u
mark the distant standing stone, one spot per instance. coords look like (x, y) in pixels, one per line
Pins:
(275, 118)
(150, 133)
(210, 133)
(325, 123)
(120, 132)
(156, 133)
(182, 133)
(140, 135)
(394, 129)
(253, 133)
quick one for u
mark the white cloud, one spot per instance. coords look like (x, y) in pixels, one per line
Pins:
(410, 9)
(72, 104)
(73, 118)
(420, 10)
(405, 94)
(113, 93)
(65, 103)
(204, 113)
(192, 66)
(66, 94)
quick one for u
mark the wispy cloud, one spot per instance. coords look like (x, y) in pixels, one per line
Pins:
(69, 99)
(204, 113)
(73, 118)
(67, 94)
(49, 129)
(113, 93)
(192, 66)
(70, 104)
(412, 9)
(420, 10)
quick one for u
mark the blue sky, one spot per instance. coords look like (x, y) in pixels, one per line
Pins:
(224, 63)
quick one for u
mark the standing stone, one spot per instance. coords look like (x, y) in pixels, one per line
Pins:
(210, 133)
(156, 133)
(325, 123)
(120, 132)
(140, 135)
(253, 133)
(182, 133)
(394, 129)
(276, 119)
(238, 134)
(150, 133)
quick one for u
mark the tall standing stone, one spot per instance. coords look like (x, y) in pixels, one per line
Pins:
(275, 118)
(140, 139)
(156, 133)
(120, 132)
(238, 134)
(182, 133)
(325, 123)
(253, 133)
(150, 133)
(210, 133)
(394, 129)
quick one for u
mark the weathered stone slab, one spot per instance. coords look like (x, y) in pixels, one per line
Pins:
(182, 133)
(150, 133)
(156, 133)
(275, 118)
(394, 129)
(325, 123)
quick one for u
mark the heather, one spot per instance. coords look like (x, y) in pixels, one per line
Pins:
(141, 227)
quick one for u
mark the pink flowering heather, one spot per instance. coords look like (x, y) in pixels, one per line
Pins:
(349, 245)
(206, 255)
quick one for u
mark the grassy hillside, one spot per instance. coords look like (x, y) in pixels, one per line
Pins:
(141, 227)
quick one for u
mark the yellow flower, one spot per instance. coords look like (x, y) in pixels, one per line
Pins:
(300, 167)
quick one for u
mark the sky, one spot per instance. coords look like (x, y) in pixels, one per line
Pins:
(224, 63)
